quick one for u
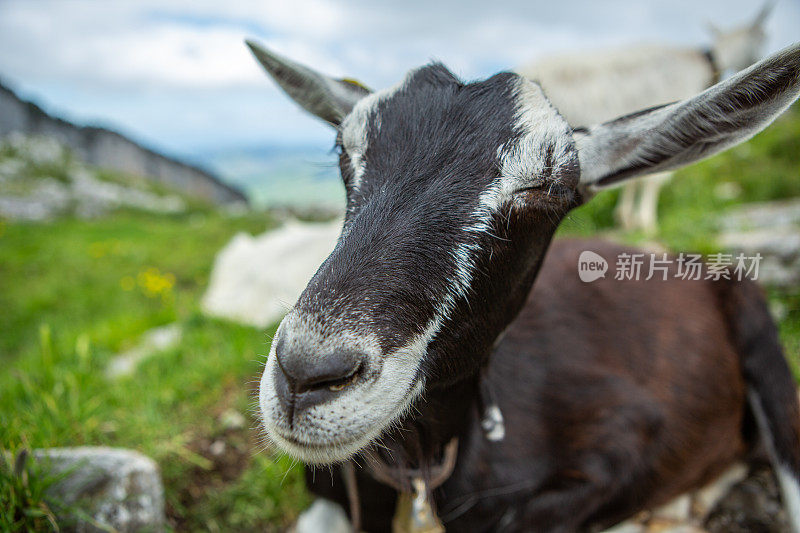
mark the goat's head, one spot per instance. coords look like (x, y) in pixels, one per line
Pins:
(740, 47)
(453, 193)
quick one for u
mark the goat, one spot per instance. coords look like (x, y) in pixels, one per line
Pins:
(592, 87)
(617, 395)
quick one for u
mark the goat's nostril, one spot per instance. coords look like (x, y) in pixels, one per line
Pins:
(332, 381)
(345, 382)
(306, 373)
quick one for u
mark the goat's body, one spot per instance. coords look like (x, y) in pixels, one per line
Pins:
(609, 409)
(606, 408)
(594, 87)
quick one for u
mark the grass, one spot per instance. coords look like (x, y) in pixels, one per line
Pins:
(23, 484)
(75, 292)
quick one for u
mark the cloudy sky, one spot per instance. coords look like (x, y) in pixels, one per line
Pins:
(176, 75)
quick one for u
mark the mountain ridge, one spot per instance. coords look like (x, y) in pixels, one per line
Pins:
(107, 148)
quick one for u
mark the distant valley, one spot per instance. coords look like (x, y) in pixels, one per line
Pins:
(292, 176)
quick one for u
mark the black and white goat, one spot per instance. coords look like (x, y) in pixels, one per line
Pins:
(617, 395)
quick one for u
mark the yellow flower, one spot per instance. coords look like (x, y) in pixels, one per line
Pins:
(154, 283)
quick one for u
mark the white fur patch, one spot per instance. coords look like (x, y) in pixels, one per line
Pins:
(354, 137)
(523, 163)
(355, 128)
(790, 492)
(464, 253)
(493, 424)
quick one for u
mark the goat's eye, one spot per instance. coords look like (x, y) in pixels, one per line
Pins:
(533, 185)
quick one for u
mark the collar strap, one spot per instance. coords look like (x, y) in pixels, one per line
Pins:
(406, 481)
(413, 480)
(402, 479)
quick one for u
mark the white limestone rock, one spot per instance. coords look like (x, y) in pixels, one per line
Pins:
(117, 488)
(256, 280)
(153, 341)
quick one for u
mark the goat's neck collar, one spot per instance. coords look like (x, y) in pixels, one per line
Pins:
(437, 467)
(433, 474)
(416, 459)
(420, 442)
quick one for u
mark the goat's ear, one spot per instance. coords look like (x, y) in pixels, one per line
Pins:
(713, 29)
(328, 98)
(677, 134)
(761, 18)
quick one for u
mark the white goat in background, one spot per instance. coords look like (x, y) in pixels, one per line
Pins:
(596, 86)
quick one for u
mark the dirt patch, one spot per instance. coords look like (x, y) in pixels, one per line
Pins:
(219, 460)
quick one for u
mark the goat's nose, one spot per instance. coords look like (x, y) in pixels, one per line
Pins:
(308, 379)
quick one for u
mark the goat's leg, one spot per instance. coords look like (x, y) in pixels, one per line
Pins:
(646, 215)
(560, 511)
(603, 474)
(626, 205)
(566, 510)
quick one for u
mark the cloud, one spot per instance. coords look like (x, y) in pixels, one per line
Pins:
(177, 72)
(142, 44)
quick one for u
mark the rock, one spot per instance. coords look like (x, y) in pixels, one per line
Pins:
(256, 280)
(779, 274)
(780, 242)
(762, 215)
(323, 516)
(10, 167)
(26, 127)
(94, 196)
(27, 193)
(154, 341)
(39, 150)
(117, 488)
(45, 198)
(752, 505)
(217, 448)
(727, 190)
(771, 229)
